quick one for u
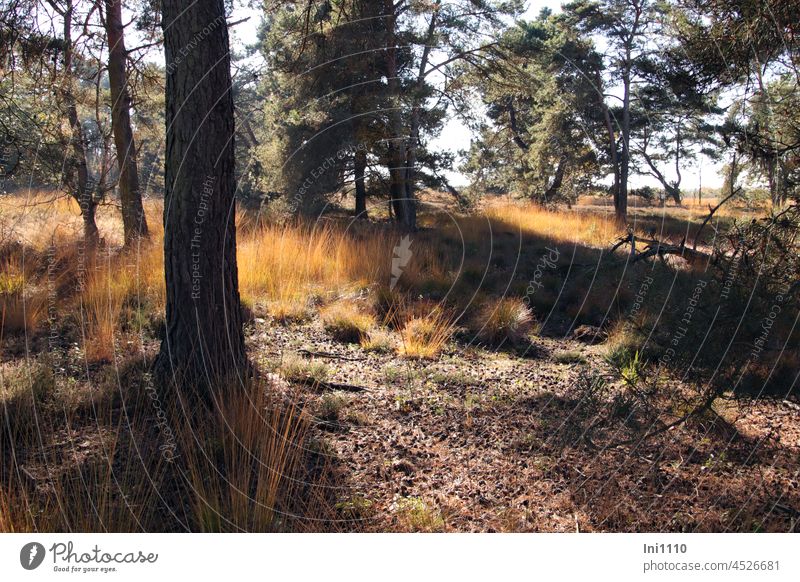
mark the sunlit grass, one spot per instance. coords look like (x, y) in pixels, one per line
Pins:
(568, 226)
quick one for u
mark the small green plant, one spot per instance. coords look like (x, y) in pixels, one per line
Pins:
(570, 357)
(628, 364)
(302, 371)
(471, 401)
(355, 508)
(415, 515)
(331, 405)
(393, 374)
(631, 372)
(451, 378)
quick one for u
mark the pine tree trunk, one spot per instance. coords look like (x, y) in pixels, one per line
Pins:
(411, 170)
(621, 208)
(558, 179)
(612, 144)
(82, 191)
(396, 160)
(133, 217)
(359, 168)
(204, 343)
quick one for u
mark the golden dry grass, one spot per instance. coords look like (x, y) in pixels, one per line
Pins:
(568, 226)
(244, 464)
(235, 468)
(423, 337)
(23, 306)
(284, 265)
(284, 268)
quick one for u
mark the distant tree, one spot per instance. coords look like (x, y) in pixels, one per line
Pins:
(362, 75)
(672, 120)
(543, 107)
(751, 46)
(133, 218)
(627, 26)
(325, 103)
(61, 138)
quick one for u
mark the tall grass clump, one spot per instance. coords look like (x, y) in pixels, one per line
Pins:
(500, 320)
(346, 321)
(243, 460)
(117, 285)
(283, 264)
(425, 336)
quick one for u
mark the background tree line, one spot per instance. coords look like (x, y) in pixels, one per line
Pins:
(583, 99)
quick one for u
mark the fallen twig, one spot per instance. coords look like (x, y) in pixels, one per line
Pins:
(325, 385)
(330, 355)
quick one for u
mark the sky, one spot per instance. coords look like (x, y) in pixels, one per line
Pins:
(455, 135)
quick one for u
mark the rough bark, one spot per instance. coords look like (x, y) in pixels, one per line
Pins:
(204, 343)
(134, 221)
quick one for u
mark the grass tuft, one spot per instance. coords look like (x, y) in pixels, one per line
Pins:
(500, 320)
(346, 322)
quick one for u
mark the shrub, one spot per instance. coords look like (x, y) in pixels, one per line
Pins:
(25, 389)
(106, 292)
(331, 405)
(288, 311)
(569, 357)
(414, 514)
(22, 305)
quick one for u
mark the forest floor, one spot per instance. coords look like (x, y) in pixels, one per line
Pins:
(487, 440)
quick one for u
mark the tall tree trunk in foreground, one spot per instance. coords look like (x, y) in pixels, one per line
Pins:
(204, 342)
(133, 218)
